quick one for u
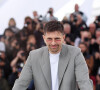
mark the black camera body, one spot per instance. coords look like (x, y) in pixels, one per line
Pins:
(75, 18)
(86, 39)
(98, 18)
(50, 12)
(28, 23)
(23, 54)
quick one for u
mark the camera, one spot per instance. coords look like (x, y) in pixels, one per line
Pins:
(50, 12)
(23, 54)
(40, 18)
(28, 22)
(31, 45)
(86, 39)
(75, 18)
(98, 18)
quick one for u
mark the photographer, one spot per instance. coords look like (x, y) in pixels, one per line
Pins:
(84, 37)
(69, 38)
(31, 44)
(49, 16)
(96, 51)
(77, 11)
(22, 39)
(29, 26)
(8, 34)
(4, 63)
(77, 24)
(39, 35)
(92, 29)
(87, 56)
(35, 16)
(12, 25)
(19, 60)
(97, 22)
(13, 49)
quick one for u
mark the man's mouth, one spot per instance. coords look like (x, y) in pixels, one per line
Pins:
(54, 46)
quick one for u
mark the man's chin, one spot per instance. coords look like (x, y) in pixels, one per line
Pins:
(54, 50)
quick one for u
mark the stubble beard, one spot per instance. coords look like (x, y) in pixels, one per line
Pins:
(54, 50)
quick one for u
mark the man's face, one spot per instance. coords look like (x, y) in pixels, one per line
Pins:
(54, 41)
(82, 47)
(76, 7)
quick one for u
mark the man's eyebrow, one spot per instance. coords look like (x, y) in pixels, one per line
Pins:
(57, 38)
(49, 38)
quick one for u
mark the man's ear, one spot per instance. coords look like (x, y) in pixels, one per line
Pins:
(64, 36)
(43, 37)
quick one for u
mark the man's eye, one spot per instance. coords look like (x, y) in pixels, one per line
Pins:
(49, 39)
(57, 39)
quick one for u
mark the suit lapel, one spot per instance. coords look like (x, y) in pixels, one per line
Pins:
(45, 65)
(63, 63)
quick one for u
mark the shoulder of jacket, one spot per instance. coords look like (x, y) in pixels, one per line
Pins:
(40, 50)
(73, 49)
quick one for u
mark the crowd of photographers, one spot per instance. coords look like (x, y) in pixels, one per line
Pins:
(16, 44)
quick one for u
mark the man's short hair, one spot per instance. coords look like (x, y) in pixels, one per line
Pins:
(54, 26)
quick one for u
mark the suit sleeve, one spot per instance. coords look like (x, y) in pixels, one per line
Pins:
(25, 78)
(81, 72)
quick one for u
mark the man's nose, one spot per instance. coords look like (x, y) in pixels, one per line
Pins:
(53, 42)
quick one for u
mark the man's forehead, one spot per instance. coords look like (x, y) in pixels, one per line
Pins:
(53, 33)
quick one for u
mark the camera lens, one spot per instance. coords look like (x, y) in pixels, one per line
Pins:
(86, 39)
(28, 22)
(23, 54)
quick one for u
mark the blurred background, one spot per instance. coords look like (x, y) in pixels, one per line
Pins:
(21, 30)
(21, 8)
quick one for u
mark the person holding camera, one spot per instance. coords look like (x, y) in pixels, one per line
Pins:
(30, 44)
(8, 34)
(89, 60)
(35, 16)
(77, 11)
(4, 62)
(84, 37)
(19, 60)
(69, 37)
(92, 29)
(38, 34)
(16, 65)
(12, 25)
(95, 42)
(77, 25)
(49, 16)
(29, 26)
(97, 21)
